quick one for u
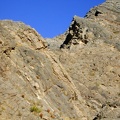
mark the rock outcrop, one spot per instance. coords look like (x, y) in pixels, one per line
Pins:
(101, 22)
(33, 83)
(74, 76)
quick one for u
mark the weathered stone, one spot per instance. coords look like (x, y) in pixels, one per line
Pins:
(100, 22)
(82, 82)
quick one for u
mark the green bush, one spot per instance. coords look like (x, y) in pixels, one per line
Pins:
(35, 109)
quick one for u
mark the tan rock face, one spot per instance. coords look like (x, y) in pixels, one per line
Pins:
(40, 81)
(101, 22)
(32, 79)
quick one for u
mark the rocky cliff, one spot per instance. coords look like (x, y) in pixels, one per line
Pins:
(74, 76)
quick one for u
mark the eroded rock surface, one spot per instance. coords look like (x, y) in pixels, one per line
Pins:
(101, 22)
(90, 53)
(80, 81)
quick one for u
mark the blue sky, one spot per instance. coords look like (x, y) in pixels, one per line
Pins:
(48, 17)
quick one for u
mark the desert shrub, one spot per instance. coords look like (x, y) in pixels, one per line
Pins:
(35, 109)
